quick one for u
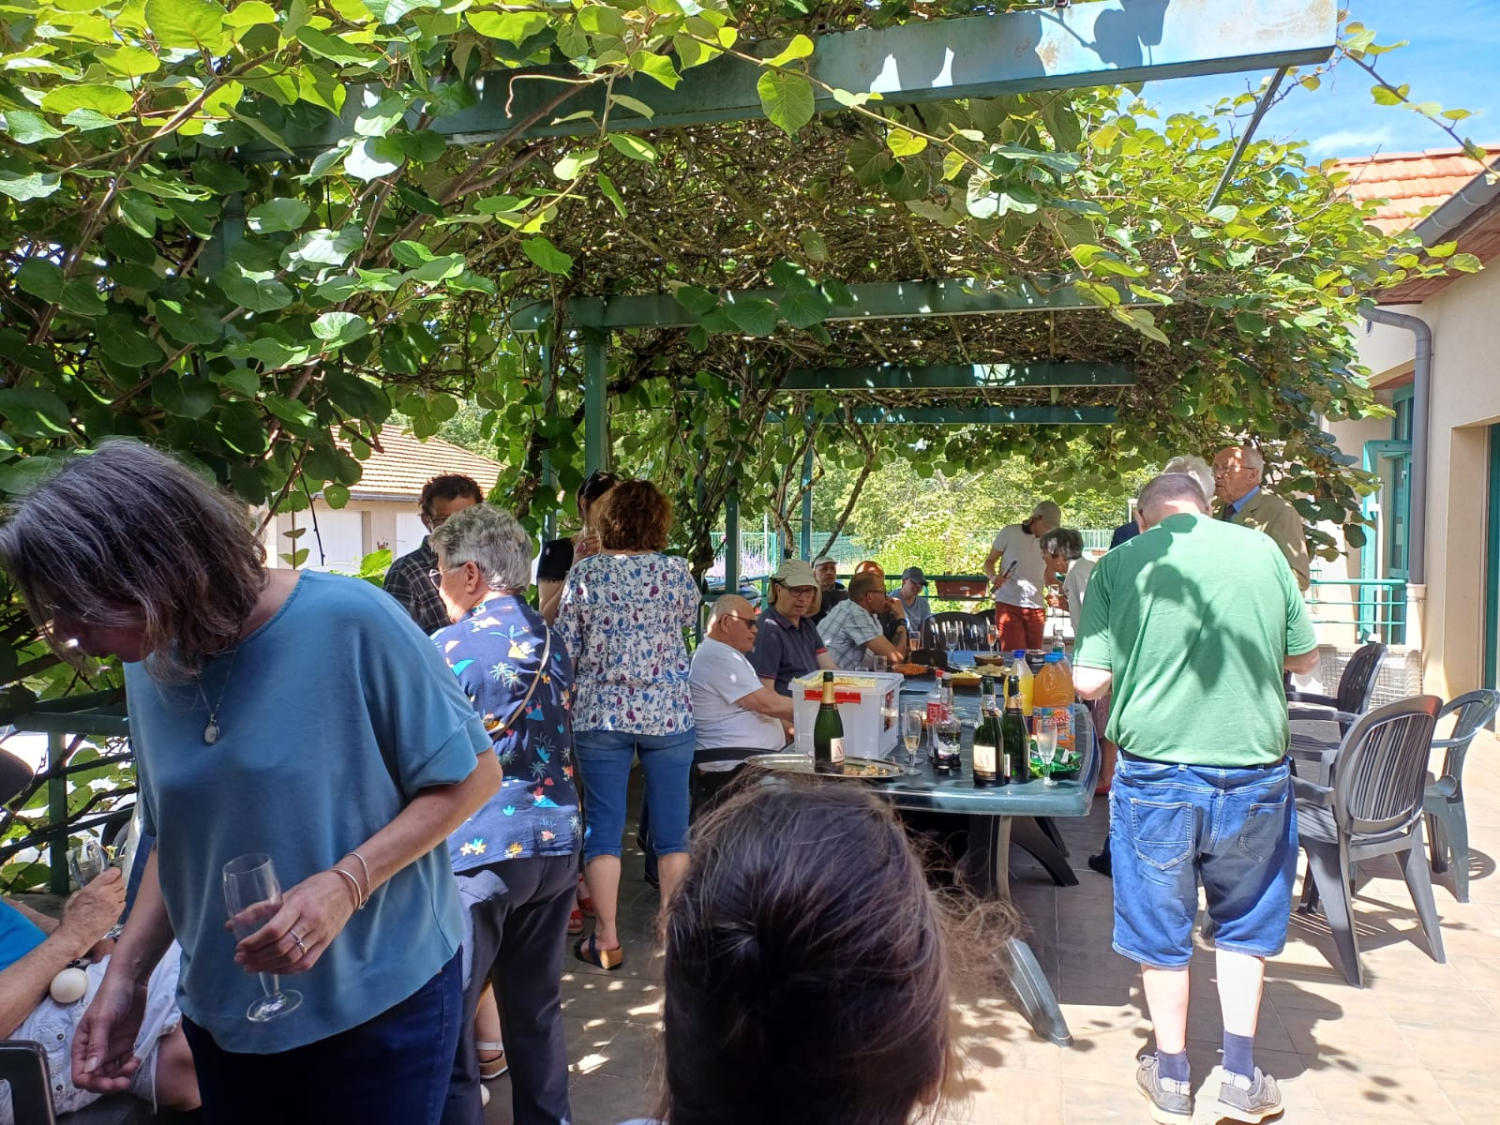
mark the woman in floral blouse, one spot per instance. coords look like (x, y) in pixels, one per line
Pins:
(515, 858)
(623, 614)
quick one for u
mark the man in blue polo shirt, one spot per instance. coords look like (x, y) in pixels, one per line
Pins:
(788, 644)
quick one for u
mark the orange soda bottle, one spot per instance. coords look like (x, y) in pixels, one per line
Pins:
(1052, 695)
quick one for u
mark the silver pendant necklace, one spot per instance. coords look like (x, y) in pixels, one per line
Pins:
(211, 730)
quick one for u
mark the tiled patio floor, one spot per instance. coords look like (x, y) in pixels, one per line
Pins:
(1420, 1043)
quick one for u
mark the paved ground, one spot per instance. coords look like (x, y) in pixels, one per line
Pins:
(1419, 1043)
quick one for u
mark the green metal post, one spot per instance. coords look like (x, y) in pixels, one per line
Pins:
(595, 406)
(732, 540)
(57, 816)
(549, 474)
(807, 527)
(1492, 568)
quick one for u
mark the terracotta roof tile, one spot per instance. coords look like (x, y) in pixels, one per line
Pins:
(407, 464)
(1409, 184)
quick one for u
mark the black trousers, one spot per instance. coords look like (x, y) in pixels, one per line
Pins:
(517, 931)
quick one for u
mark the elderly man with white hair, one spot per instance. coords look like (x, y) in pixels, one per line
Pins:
(731, 707)
(1239, 471)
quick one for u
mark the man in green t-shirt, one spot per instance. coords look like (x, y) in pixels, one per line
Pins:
(1190, 626)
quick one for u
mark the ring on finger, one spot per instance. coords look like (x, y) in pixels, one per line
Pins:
(297, 941)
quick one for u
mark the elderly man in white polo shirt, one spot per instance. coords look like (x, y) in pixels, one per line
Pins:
(731, 707)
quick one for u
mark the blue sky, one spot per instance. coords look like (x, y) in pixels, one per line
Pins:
(1449, 59)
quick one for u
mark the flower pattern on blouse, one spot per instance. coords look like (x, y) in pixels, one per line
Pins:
(622, 618)
(496, 650)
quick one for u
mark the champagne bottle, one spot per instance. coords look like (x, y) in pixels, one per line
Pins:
(1015, 744)
(987, 737)
(828, 732)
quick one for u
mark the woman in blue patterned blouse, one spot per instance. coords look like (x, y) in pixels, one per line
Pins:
(517, 857)
(623, 613)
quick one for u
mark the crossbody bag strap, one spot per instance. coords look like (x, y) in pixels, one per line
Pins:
(540, 672)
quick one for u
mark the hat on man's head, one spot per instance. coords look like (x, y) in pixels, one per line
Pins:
(795, 572)
(821, 559)
(1049, 512)
(914, 574)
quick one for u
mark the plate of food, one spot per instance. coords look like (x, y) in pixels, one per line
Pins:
(991, 657)
(996, 670)
(966, 679)
(911, 671)
(855, 769)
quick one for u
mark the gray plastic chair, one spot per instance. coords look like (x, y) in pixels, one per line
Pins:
(1373, 808)
(1447, 826)
(958, 630)
(1349, 701)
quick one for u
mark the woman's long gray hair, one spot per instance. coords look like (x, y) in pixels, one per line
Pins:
(130, 536)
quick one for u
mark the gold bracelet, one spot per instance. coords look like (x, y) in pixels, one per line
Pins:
(369, 886)
(359, 901)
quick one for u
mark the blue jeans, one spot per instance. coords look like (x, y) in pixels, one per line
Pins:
(390, 1070)
(1174, 825)
(604, 758)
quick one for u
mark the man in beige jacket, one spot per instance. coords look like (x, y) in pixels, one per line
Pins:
(1237, 484)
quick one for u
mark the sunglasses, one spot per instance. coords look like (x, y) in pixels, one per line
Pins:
(750, 621)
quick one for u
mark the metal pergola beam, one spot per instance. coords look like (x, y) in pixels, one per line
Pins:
(958, 377)
(881, 300)
(985, 415)
(1109, 43)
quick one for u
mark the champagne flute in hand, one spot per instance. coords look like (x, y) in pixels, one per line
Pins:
(253, 895)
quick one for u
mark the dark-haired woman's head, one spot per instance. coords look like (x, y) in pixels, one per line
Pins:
(595, 485)
(634, 515)
(806, 972)
(127, 552)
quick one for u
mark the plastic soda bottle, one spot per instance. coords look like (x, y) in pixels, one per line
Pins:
(1022, 674)
(1052, 695)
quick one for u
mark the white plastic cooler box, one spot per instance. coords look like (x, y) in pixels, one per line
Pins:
(869, 704)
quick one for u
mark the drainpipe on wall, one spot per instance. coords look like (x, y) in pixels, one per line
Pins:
(1421, 386)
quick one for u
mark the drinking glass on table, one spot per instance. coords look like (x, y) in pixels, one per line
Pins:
(911, 735)
(991, 634)
(253, 894)
(1046, 745)
(879, 664)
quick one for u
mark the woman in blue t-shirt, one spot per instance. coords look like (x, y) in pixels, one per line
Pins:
(302, 715)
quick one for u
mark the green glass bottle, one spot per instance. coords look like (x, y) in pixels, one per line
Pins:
(1014, 742)
(987, 738)
(828, 732)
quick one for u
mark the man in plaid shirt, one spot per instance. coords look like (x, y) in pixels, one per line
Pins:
(409, 580)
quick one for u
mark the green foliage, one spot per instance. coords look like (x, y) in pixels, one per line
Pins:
(184, 265)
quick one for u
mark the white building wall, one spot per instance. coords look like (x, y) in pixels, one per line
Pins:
(1464, 401)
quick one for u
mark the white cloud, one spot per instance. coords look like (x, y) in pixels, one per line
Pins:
(1351, 142)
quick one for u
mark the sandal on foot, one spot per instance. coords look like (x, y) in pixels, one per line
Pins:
(575, 923)
(491, 1068)
(590, 954)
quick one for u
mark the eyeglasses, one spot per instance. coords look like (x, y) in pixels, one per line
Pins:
(1227, 469)
(436, 573)
(750, 621)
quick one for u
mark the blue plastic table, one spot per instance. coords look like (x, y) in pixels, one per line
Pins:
(997, 818)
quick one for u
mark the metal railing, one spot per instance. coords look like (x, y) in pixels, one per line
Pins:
(1375, 608)
(71, 725)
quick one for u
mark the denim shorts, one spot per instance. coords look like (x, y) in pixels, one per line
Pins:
(1174, 825)
(604, 758)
